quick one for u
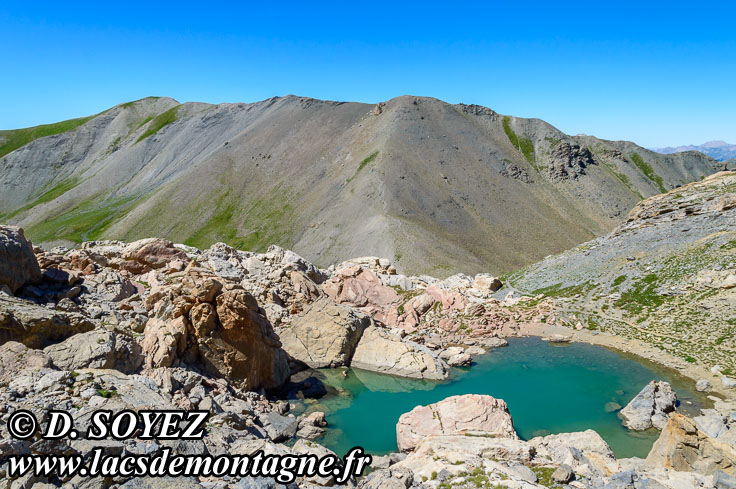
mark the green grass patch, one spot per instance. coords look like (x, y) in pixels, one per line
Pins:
(56, 191)
(159, 122)
(624, 180)
(130, 104)
(107, 394)
(268, 220)
(366, 161)
(558, 291)
(84, 222)
(648, 171)
(619, 280)
(544, 476)
(641, 294)
(554, 142)
(524, 145)
(16, 138)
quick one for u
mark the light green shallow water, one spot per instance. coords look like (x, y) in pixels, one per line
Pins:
(548, 388)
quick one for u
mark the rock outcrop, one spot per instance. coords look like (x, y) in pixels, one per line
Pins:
(468, 414)
(584, 451)
(18, 265)
(97, 349)
(37, 326)
(325, 334)
(381, 351)
(15, 357)
(650, 407)
(683, 447)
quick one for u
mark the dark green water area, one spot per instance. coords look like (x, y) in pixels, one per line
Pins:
(549, 388)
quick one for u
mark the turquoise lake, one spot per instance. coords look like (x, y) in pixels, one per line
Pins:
(549, 388)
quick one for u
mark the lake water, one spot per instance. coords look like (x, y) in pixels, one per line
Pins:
(549, 389)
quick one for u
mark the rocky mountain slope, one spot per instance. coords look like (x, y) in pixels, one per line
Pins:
(666, 277)
(720, 150)
(436, 187)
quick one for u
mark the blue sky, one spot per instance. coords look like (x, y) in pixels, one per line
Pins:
(658, 73)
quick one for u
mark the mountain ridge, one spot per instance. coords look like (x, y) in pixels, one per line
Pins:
(436, 186)
(720, 150)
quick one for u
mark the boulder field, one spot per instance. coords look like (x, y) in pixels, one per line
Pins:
(469, 441)
(155, 325)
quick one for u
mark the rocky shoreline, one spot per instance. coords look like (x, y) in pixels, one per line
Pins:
(633, 347)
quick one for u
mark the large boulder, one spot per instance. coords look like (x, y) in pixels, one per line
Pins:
(458, 454)
(153, 252)
(97, 349)
(18, 264)
(683, 447)
(650, 407)
(467, 414)
(244, 346)
(325, 334)
(381, 351)
(164, 341)
(15, 357)
(360, 287)
(37, 326)
(584, 451)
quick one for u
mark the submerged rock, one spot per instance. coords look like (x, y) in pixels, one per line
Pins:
(650, 407)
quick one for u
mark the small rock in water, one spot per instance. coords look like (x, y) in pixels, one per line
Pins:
(612, 407)
(703, 385)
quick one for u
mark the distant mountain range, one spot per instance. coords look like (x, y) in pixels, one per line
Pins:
(720, 150)
(440, 188)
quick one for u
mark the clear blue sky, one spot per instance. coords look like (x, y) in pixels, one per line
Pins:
(657, 73)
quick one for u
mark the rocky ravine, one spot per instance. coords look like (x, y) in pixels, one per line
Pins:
(438, 188)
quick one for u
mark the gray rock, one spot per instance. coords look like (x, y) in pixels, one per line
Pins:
(37, 326)
(563, 474)
(380, 351)
(161, 483)
(522, 472)
(280, 428)
(262, 483)
(722, 480)
(703, 385)
(391, 478)
(650, 407)
(325, 334)
(18, 264)
(97, 349)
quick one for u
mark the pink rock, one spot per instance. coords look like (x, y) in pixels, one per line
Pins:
(450, 300)
(360, 288)
(470, 413)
